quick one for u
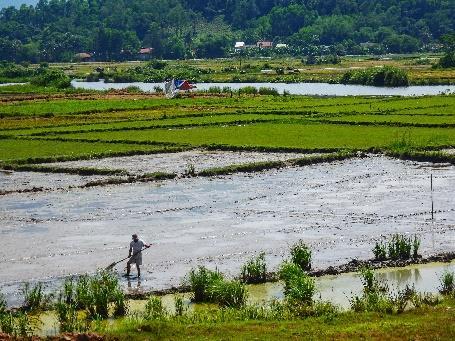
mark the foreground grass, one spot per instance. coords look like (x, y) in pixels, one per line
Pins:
(421, 324)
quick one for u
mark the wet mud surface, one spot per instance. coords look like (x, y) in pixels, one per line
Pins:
(179, 162)
(340, 209)
(34, 181)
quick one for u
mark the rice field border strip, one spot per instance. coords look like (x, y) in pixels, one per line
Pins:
(64, 158)
(152, 127)
(385, 123)
(148, 177)
(266, 165)
(84, 171)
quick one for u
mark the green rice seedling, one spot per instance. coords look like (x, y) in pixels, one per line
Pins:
(200, 280)
(447, 283)
(190, 170)
(154, 309)
(301, 255)
(34, 297)
(380, 251)
(255, 271)
(228, 293)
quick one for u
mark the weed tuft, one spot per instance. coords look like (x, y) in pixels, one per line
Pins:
(301, 255)
(254, 271)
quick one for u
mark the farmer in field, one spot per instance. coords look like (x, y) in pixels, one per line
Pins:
(135, 254)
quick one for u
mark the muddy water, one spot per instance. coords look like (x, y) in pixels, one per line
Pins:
(336, 289)
(339, 209)
(17, 181)
(180, 162)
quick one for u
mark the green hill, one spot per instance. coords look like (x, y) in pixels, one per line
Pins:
(55, 30)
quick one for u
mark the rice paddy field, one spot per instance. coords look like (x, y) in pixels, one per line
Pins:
(214, 180)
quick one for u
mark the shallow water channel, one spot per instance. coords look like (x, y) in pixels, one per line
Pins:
(311, 89)
(337, 289)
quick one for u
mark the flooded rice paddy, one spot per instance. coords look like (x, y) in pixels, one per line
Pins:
(180, 162)
(340, 209)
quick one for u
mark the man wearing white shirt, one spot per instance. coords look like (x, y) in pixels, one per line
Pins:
(135, 254)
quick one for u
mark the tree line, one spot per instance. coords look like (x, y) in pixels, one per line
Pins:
(54, 30)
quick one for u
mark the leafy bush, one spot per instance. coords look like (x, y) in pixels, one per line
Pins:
(382, 76)
(228, 293)
(154, 309)
(298, 286)
(254, 271)
(200, 280)
(268, 91)
(447, 283)
(301, 255)
(51, 77)
(248, 90)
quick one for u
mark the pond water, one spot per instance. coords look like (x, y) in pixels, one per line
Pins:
(311, 89)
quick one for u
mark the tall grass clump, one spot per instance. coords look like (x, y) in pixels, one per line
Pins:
(255, 271)
(248, 90)
(382, 76)
(398, 247)
(200, 280)
(298, 286)
(447, 283)
(268, 91)
(35, 297)
(18, 324)
(154, 309)
(301, 255)
(94, 294)
(225, 293)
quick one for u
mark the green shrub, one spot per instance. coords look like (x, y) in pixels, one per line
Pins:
(68, 318)
(301, 255)
(298, 286)
(180, 308)
(382, 76)
(51, 77)
(447, 61)
(254, 271)
(200, 280)
(214, 90)
(447, 283)
(268, 91)
(248, 90)
(154, 309)
(228, 293)
(380, 251)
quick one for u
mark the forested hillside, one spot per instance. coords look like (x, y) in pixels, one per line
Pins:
(55, 30)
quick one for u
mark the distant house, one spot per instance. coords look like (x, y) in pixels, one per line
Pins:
(145, 53)
(264, 44)
(281, 46)
(83, 57)
(239, 45)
